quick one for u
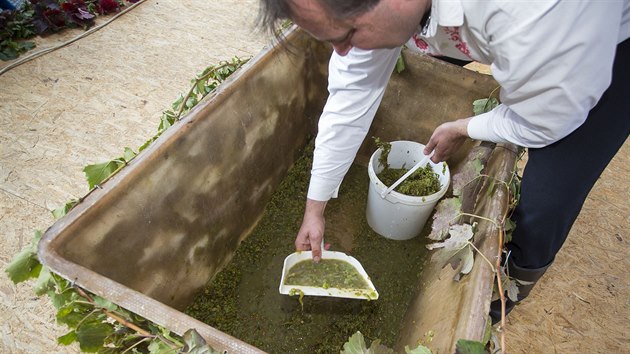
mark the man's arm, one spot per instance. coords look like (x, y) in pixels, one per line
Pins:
(552, 69)
(551, 75)
(356, 84)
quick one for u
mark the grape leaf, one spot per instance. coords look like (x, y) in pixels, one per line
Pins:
(67, 338)
(44, 282)
(195, 344)
(446, 214)
(356, 345)
(510, 286)
(60, 299)
(400, 64)
(25, 265)
(69, 316)
(104, 303)
(128, 155)
(471, 170)
(91, 335)
(508, 229)
(512, 290)
(456, 248)
(465, 346)
(97, 173)
(178, 103)
(421, 349)
(378, 348)
(484, 105)
(157, 347)
(61, 211)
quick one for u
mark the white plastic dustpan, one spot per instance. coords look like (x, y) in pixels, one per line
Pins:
(292, 259)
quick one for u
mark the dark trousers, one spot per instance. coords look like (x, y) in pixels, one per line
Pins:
(558, 177)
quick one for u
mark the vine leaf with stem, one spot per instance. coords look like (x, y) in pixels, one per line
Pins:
(447, 212)
(455, 249)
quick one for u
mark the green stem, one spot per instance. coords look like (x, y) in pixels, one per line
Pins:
(204, 78)
(170, 343)
(136, 344)
(86, 316)
(483, 256)
(480, 217)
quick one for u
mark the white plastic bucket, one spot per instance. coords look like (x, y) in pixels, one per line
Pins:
(399, 216)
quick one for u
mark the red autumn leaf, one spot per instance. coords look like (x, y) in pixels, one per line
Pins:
(107, 6)
(77, 12)
(55, 17)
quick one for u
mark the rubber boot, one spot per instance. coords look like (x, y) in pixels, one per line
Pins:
(526, 280)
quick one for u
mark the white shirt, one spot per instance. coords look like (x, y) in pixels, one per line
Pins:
(552, 58)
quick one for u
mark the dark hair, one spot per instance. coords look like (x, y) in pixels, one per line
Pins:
(272, 12)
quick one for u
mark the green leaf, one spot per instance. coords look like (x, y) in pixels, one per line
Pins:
(148, 142)
(91, 335)
(191, 101)
(195, 344)
(12, 50)
(487, 333)
(484, 105)
(60, 299)
(178, 103)
(508, 229)
(355, 345)
(75, 311)
(99, 172)
(378, 348)
(166, 121)
(114, 350)
(465, 346)
(128, 155)
(491, 186)
(44, 282)
(104, 303)
(67, 338)
(61, 211)
(158, 347)
(166, 333)
(200, 87)
(68, 316)
(421, 349)
(26, 46)
(25, 265)
(400, 64)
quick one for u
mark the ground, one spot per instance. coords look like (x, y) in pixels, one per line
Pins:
(84, 103)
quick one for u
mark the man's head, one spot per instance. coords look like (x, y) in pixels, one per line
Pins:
(368, 24)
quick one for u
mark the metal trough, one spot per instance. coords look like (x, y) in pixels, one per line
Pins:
(158, 231)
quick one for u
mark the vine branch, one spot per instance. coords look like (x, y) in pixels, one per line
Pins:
(203, 78)
(113, 316)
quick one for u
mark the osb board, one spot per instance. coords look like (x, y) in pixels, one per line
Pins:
(582, 304)
(88, 101)
(83, 104)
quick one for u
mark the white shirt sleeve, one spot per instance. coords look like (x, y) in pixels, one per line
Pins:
(356, 83)
(552, 70)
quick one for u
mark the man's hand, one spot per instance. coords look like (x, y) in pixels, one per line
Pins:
(311, 232)
(446, 139)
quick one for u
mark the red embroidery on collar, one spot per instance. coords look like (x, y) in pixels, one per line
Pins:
(420, 43)
(454, 35)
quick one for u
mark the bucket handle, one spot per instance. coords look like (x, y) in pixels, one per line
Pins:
(423, 161)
